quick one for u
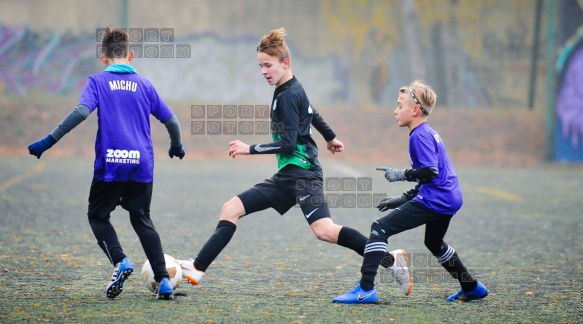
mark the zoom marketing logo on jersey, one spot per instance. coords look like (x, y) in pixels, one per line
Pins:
(122, 156)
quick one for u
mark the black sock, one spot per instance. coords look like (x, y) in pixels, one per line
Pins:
(388, 260)
(352, 239)
(457, 270)
(375, 251)
(215, 244)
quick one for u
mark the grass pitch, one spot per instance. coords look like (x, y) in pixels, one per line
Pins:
(519, 231)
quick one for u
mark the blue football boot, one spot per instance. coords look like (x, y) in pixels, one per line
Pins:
(358, 296)
(121, 272)
(478, 293)
(165, 290)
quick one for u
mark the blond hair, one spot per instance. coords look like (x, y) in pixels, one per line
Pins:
(273, 44)
(423, 93)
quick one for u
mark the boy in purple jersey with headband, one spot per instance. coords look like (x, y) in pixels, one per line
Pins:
(124, 157)
(433, 202)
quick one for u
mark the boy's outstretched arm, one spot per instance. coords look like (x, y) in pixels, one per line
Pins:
(287, 139)
(74, 118)
(173, 127)
(415, 175)
(332, 144)
(285, 144)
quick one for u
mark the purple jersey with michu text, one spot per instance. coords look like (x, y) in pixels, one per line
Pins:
(123, 146)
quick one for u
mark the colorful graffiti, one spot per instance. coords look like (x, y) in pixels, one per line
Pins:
(474, 53)
(213, 70)
(569, 106)
(35, 63)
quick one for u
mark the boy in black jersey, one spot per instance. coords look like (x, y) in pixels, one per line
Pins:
(299, 177)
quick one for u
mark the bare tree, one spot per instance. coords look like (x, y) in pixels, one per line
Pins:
(412, 37)
(454, 58)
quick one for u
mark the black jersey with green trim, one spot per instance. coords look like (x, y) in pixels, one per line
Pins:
(291, 119)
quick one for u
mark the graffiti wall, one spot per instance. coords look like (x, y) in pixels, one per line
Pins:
(475, 53)
(43, 63)
(568, 101)
(569, 105)
(203, 68)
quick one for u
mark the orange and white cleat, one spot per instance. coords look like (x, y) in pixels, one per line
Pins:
(189, 271)
(400, 271)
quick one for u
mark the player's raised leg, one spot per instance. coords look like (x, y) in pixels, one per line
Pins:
(194, 270)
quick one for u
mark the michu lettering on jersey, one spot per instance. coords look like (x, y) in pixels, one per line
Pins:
(123, 85)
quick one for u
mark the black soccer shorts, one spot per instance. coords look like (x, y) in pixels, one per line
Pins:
(287, 188)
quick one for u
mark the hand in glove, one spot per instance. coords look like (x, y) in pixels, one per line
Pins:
(177, 151)
(393, 174)
(39, 147)
(391, 202)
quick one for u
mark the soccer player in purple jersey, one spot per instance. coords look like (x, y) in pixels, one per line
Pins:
(124, 157)
(433, 202)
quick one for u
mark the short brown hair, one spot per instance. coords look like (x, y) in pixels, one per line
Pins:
(273, 44)
(115, 43)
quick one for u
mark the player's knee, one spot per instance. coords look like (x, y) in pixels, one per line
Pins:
(377, 231)
(227, 212)
(98, 216)
(326, 233)
(231, 211)
(325, 237)
(139, 214)
(436, 247)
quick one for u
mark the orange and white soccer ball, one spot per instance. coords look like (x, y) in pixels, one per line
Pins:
(173, 268)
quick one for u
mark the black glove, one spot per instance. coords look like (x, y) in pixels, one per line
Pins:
(39, 147)
(176, 151)
(393, 174)
(392, 202)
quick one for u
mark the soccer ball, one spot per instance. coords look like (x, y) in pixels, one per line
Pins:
(173, 268)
